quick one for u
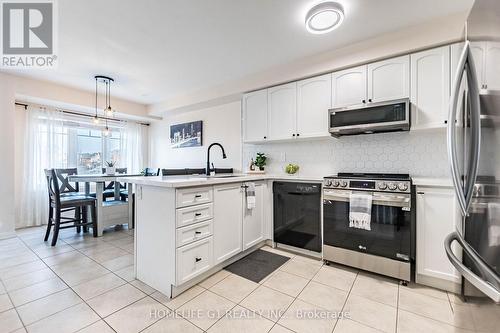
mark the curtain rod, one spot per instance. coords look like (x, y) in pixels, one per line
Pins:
(82, 114)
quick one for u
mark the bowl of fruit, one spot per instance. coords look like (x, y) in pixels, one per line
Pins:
(291, 169)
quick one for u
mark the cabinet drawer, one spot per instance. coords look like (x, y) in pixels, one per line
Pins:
(194, 259)
(194, 214)
(192, 233)
(193, 196)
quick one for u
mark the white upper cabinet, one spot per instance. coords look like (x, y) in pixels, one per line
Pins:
(389, 79)
(479, 53)
(282, 110)
(313, 102)
(430, 87)
(492, 64)
(255, 116)
(349, 87)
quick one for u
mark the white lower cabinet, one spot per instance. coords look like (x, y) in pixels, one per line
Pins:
(194, 259)
(437, 217)
(254, 219)
(228, 205)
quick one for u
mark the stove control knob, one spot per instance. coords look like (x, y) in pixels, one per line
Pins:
(328, 182)
(392, 186)
(402, 186)
(382, 186)
(335, 183)
(343, 183)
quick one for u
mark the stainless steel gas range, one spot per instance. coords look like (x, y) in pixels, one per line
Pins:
(388, 248)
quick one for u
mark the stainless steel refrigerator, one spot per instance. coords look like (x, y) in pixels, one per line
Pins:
(474, 152)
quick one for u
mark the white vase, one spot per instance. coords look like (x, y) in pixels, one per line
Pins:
(110, 171)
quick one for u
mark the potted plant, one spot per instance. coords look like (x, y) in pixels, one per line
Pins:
(110, 168)
(260, 161)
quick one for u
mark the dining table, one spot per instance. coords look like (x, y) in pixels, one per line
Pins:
(109, 212)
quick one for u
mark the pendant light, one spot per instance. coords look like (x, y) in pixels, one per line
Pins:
(96, 118)
(109, 112)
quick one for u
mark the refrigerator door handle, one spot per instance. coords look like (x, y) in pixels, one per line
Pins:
(452, 129)
(487, 288)
(475, 123)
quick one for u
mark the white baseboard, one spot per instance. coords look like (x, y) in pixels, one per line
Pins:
(6, 235)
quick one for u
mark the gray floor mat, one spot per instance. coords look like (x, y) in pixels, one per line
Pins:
(257, 265)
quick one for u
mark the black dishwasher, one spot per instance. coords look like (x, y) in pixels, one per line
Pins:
(297, 214)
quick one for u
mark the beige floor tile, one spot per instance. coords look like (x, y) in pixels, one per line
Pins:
(434, 308)
(5, 303)
(127, 273)
(234, 288)
(143, 287)
(371, 313)
(98, 327)
(116, 299)
(172, 325)
(137, 316)
(123, 242)
(47, 306)
(213, 279)
(18, 260)
(486, 317)
(94, 248)
(180, 300)
(377, 289)
(268, 302)
(73, 259)
(336, 276)
(324, 296)
(9, 321)
(278, 251)
(2, 288)
(205, 309)
(412, 323)
(118, 263)
(45, 250)
(300, 268)
(29, 279)
(242, 320)
(279, 329)
(22, 269)
(107, 254)
(95, 287)
(287, 283)
(351, 326)
(454, 298)
(36, 291)
(82, 274)
(302, 317)
(67, 321)
(428, 291)
(309, 260)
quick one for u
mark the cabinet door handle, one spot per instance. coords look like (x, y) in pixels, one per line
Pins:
(197, 214)
(197, 259)
(293, 134)
(420, 193)
(363, 101)
(265, 137)
(370, 100)
(298, 134)
(197, 196)
(198, 232)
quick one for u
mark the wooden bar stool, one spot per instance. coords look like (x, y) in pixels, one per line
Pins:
(63, 203)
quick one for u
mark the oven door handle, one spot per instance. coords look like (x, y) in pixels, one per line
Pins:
(403, 201)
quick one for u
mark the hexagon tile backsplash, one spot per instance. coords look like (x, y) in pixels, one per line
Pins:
(421, 154)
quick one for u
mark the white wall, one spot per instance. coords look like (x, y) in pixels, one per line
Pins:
(419, 153)
(221, 124)
(7, 163)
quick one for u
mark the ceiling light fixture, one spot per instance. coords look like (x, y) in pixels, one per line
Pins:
(324, 17)
(96, 117)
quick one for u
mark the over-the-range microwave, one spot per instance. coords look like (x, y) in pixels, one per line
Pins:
(370, 118)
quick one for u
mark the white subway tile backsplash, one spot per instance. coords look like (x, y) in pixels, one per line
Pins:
(420, 154)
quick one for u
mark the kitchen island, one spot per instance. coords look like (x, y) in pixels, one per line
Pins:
(189, 227)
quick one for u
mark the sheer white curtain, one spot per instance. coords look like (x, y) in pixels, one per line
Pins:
(134, 136)
(44, 147)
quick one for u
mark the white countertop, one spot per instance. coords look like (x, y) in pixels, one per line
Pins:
(196, 180)
(436, 182)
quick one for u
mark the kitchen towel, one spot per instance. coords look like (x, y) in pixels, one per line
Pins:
(360, 211)
(494, 224)
(250, 194)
